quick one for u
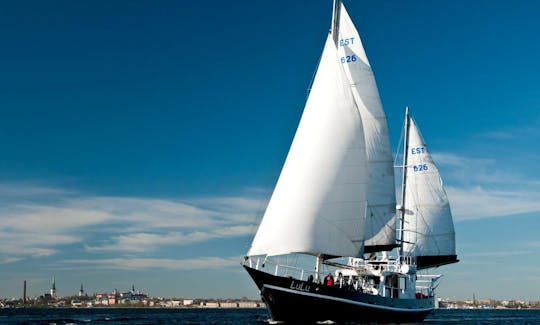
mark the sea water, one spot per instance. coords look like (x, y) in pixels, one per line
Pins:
(114, 316)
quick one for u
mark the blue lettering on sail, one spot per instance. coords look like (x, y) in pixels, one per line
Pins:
(418, 150)
(346, 41)
(420, 168)
(348, 58)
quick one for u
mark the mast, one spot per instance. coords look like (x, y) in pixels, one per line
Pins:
(318, 263)
(403, 179)
(335, 21)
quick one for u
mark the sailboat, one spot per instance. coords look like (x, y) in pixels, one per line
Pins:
(334, 205)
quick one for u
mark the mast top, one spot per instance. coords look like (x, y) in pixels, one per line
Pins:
(335, 21)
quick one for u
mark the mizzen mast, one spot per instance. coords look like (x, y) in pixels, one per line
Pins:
(403, 180)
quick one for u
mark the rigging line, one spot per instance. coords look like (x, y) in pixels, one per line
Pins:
(256, 221)
(402, 134)
(313, 76)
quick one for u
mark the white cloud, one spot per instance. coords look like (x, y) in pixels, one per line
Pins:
(50, 219)
(478, 202)
(31, 190)
(499, 253)
(39, 221)
(474, 172)
(533, 244)
(445, 158)
(532, 130)
(144, 242)
(498, 135)
(158, 263)
(480, 188)
(10, 260)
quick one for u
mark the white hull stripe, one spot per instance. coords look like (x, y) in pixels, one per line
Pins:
(352, 302)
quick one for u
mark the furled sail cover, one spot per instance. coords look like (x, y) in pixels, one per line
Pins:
(428, 231)
(381, 196)
(318, 204)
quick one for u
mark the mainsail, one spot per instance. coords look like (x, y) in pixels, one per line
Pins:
(319, 202)
(428, 230)
(380, 231)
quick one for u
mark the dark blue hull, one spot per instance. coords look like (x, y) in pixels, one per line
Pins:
(290, 299)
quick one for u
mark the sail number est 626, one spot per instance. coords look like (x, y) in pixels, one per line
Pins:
(346, 41)
(420, 168)
(348, 58)
(418, 150)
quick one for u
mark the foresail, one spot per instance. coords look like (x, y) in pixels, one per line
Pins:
(428, 230)
(380, 216)
(319, 201)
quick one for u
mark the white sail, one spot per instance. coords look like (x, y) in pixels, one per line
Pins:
(319, 202)
(428, 230)
(380, 215)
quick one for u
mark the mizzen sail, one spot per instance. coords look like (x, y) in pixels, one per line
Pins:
(428, 229)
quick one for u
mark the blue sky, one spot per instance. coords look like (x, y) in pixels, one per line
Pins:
(140, 141)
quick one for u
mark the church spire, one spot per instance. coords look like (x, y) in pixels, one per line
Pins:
(81, 292)
(53, 288)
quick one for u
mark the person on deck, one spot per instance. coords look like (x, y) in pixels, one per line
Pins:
(339, 280)
(329, 280)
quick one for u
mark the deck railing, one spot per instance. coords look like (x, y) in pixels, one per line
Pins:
(278, 269)
(426, 283)
(376, 266)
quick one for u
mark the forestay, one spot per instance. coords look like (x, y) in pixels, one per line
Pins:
(428, 230)
(380, 221)
(319, 201)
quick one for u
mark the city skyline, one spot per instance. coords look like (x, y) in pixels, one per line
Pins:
(141, 141)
